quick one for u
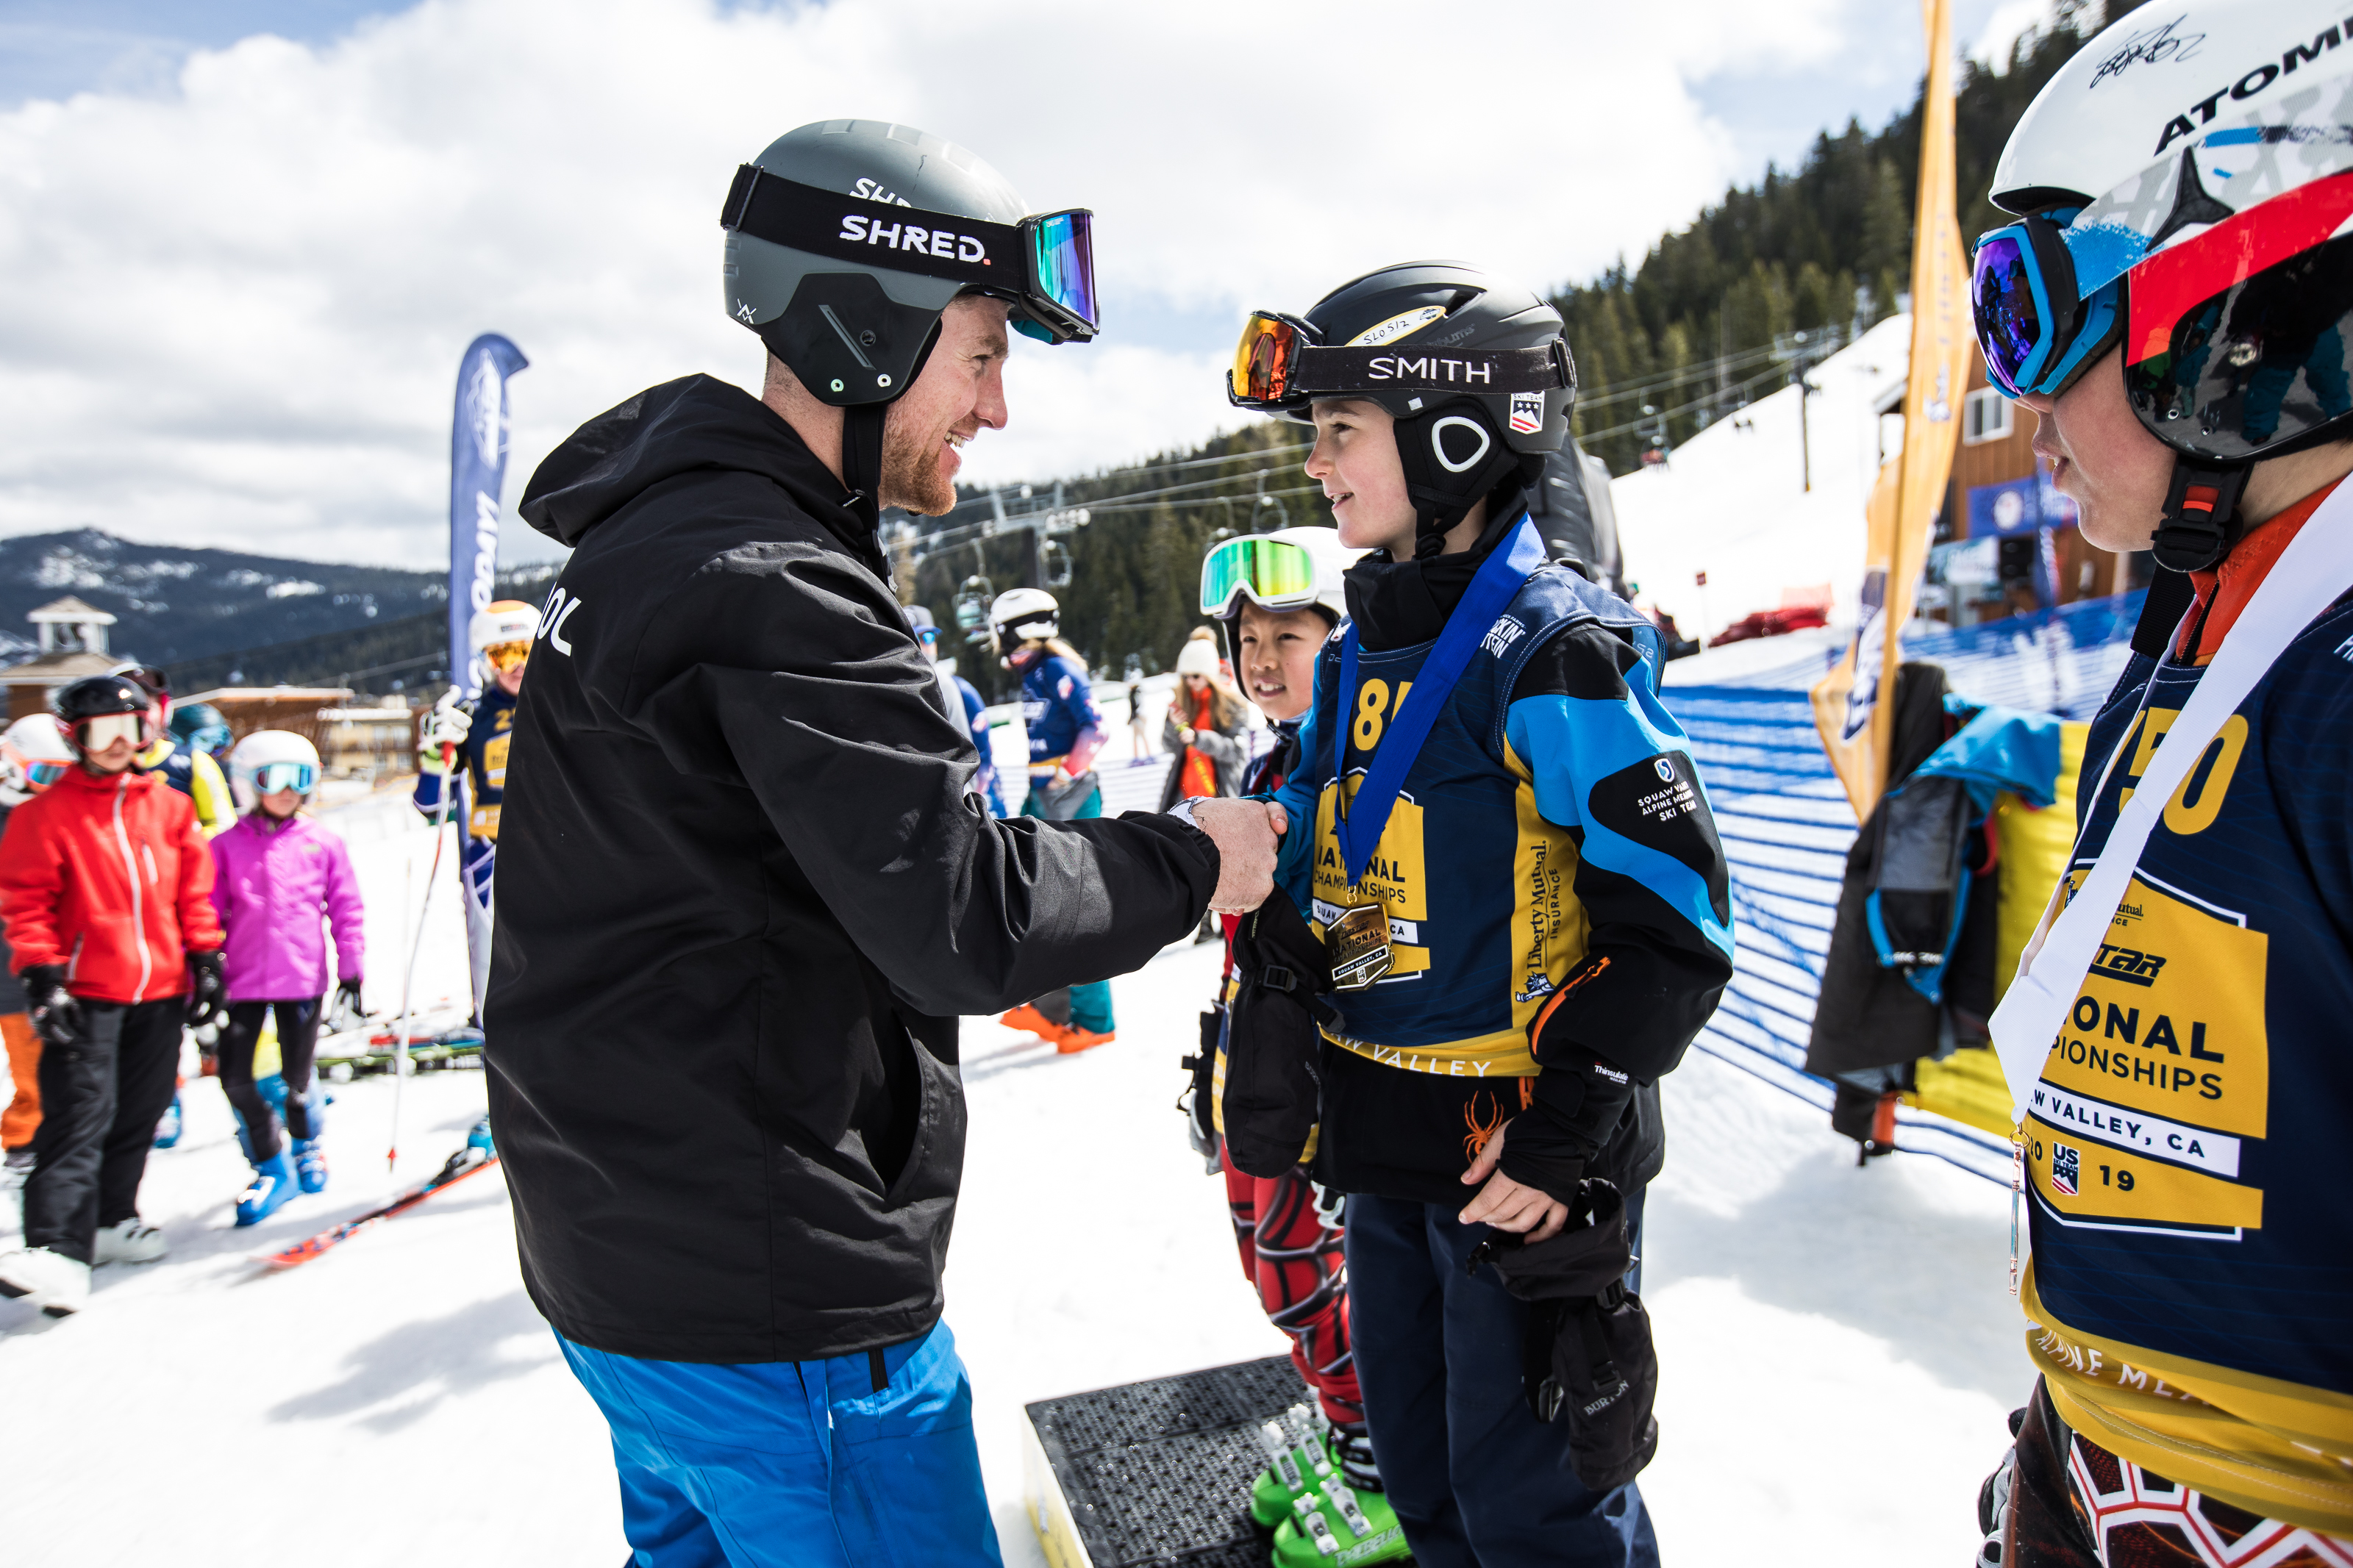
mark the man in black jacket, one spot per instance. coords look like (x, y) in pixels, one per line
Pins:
(746, 889)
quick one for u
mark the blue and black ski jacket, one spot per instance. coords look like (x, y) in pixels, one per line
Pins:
(1559, 912)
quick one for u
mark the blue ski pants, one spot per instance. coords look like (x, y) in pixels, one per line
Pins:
(863, 1461)
(1476, 1480)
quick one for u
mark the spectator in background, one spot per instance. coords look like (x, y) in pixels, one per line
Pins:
(274, 874)
(964, 703)
(112, 967)
(185, 766)
(1139, 728)
(1206, 733)
(189, 768)
(201, 726)
(1206, 729)
(33, 756)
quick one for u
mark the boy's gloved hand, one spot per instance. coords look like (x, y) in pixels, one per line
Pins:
(57, 1017)
(446, 725)
(207, 987)
(347, 994)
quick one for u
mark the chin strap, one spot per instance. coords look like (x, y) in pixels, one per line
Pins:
(2201, 516)
(861, 459)
(1453, 459)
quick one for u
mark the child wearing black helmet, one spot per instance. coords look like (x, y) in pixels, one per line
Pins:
(106, 888)
(1494, 1037)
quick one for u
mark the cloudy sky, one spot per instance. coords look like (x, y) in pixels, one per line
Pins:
(245, 241)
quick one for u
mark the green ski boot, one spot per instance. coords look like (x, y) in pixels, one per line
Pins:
(1337, 1526)
(1290, 1471)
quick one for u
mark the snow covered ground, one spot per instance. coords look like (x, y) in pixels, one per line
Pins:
(1733, 501)
(1837, 1345)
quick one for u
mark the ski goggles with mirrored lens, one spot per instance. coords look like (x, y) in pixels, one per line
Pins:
(1045, 265)
(98, 733)
(1272, 574)
(272, 777)
(507, 654)
(2036, 330)
(1278, 365)
(41, 775)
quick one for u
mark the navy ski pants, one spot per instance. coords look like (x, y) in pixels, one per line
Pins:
(863, 1461)
(1476, 1480)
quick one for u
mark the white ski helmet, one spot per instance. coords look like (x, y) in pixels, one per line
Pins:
(269, 760)
(33, 756)
(2181, 186)
(1289, 569)
(501, 621)
(1024, 614)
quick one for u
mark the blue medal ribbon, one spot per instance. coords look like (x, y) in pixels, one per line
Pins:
(1499, 578)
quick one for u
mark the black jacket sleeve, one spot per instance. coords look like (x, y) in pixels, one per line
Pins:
(790, 669)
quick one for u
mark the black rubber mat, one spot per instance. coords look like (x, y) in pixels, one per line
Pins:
(1159, 1472)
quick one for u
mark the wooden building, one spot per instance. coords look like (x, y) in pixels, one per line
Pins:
(2006, 541)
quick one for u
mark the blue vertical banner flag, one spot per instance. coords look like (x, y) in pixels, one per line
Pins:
(478, 470)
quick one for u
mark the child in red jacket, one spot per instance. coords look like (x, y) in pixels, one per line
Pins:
(106, 889)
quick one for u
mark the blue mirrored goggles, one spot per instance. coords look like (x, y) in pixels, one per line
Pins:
(1062, 248)
(2034, 326)
(272, 777)
(43, 774)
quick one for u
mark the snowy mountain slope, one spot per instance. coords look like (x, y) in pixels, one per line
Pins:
(1838, 1348)
(1732, 501)
(175, 605)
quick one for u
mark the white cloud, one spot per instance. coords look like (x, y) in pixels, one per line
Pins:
(235, 310)
(2010, 21)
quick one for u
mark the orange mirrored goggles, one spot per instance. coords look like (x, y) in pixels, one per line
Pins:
(506, 655)
(1264, 359)
(1279, 364)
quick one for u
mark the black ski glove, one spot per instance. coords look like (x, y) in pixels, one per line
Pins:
(1587, 1356)
(347, 994)
(57, 1017)
(1272, 1090)
(1579, 1099)
(207, 987)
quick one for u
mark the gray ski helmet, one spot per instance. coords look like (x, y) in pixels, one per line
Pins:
(1428, 340)
(854, 315)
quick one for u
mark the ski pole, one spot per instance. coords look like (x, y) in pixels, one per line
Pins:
(408, 983)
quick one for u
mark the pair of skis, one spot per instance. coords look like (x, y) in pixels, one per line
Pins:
(465, 1162)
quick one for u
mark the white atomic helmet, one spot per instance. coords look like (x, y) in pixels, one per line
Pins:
(1024, 614)
(2183, 188)
(269, 760)
(33, 756)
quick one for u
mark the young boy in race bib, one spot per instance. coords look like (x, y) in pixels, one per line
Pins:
(2173, 302)
(1501, 837)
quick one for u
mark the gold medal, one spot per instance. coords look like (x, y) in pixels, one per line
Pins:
(1358, 945)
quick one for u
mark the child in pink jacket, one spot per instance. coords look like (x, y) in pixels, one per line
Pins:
(275, 873)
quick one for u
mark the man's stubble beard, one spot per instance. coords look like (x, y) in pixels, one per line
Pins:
(910, 472)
